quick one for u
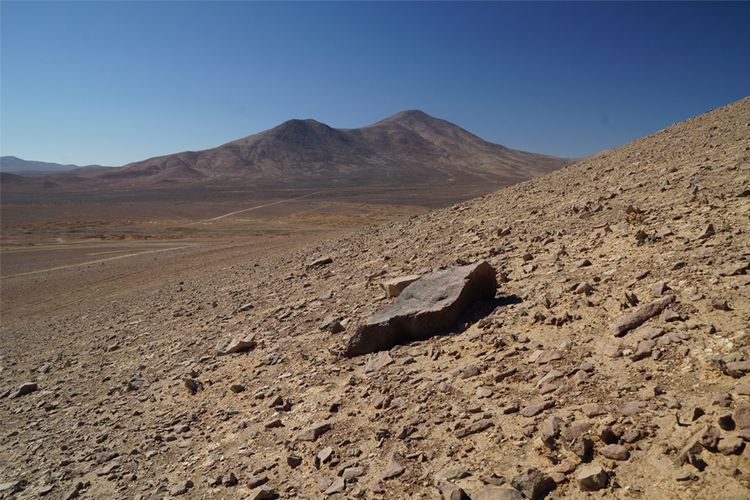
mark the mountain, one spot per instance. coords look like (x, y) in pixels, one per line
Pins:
(406, 148)
(15, 165)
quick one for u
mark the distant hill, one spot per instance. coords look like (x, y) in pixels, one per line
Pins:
(407, 148)
(19, 166)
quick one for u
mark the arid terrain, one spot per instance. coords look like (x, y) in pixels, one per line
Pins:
(114, 382)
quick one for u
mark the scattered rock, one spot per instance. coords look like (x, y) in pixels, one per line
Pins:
(592, 477)
(640, 315)
(193, 385)
(496, 493)
(645, 347)
(737, 369)
(378, 361)
(320, 262)
(710, 438)
(338, 486)
(615, 452)
(332, 324)
(536, 407)
(313, 432)
(24, 389)
(730, 445)
(393, 469)
(742, 416)
(478, 426)
(533, 483)
(659, 288)
(236, 345)
(181, 488)
(262, 494)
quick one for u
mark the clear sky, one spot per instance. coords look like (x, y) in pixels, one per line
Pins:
(114, 82)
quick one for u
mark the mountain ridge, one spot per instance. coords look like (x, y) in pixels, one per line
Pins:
(409, 147)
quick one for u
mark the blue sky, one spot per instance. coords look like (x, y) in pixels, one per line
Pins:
(114, 82)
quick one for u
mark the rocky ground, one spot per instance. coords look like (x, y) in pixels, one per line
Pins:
(549, 393)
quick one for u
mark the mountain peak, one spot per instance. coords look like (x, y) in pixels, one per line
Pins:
(410, 115)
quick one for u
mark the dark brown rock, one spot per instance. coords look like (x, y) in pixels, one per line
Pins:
(742, 416)
(615, 452)
(592, 477)
(427, 307)
(478, 426)
(313, 432)
(638, 316)
(24, 389)
(236, 345)
(533, 483)
(536, 407)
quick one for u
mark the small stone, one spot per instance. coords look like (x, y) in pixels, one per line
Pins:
(669, 315)
(707, 232)
(229, 480)
(632, 408)
(592, 477)
(332, 324)
(631, 435)
(583, 263)
(742, 416)
(181, 488)
(313, 432)
(236, 345)
(320, 262)
(710, 438)
(720, 305)
(533, 483)
(323, 456)
(483, 392)
(474, 428)
(496, 493)
(536, 407)
(24, 389)
(294, 461)
(193, 385)
(639, 315)
(592, 410)
(272, 424)
(550, 431)
(237, 388)
(615, 452)
(352, 473)
(685, 474)
(726, 422)
(256, 481)
(581, 446)
(451, 474)
(645, 347)
(262, 494)
(393, 469)
(338, 486)
(730, 445)
(378, 361)
(659, 288)
(736, 369)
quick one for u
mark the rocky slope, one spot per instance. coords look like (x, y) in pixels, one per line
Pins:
(408, 148)
(130, 400)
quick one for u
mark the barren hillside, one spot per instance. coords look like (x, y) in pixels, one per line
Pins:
(131, 400)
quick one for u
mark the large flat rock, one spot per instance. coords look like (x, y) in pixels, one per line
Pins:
(429, 306)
